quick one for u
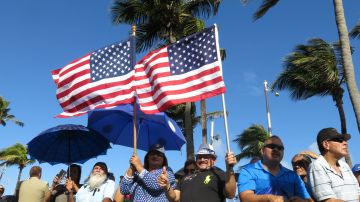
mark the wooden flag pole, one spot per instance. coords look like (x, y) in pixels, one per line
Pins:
(134, 103)
(135, 132)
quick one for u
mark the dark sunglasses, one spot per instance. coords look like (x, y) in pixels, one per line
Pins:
(275, 146)
(300, 163)
(338, 139)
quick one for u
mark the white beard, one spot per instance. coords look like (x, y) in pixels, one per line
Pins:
(96, 180)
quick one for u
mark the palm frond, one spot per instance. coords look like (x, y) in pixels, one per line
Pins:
(355, 32)
(264, 8)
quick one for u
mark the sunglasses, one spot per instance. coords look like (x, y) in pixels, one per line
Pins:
(338, 139)
(299, 163)
(275, 146)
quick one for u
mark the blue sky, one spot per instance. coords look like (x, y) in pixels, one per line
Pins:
(39, 36)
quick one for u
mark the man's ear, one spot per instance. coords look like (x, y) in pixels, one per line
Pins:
(326, 145)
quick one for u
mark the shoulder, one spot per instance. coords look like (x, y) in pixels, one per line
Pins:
(318, 164)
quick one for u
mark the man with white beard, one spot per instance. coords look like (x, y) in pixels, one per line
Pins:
(97, 188)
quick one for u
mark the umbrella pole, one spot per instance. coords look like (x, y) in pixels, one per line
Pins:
(134, 121)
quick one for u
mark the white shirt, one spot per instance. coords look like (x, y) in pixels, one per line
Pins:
(106, 190)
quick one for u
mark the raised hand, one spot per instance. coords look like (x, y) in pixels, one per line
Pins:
(136, 162)
(163, 179)
(69, 184)
(230, 160)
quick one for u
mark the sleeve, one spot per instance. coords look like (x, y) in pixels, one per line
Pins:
(246, 181)
(149, 179)
(125, 185)
(320, 182)
(109, 189)
(300, 188)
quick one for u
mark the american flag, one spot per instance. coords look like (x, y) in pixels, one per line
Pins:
(186, 71)
(100, 79)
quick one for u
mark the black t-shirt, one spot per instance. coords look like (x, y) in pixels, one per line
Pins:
(203, 186)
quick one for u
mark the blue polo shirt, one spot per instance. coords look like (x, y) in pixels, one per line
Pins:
(285, 183)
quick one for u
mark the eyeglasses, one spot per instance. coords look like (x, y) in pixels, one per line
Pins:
(338, 139)
(299, 163)
(275, 146)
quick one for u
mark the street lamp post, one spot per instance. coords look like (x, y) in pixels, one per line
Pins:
(266, 90)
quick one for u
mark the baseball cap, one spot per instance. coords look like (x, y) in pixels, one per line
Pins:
(102, 165)
(356, 168)
(330, 133)
(206, 149)
(157, 147)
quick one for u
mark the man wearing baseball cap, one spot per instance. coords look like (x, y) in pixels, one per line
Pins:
(97, 188)
(208, 183)
(356, 171)
(331, 179)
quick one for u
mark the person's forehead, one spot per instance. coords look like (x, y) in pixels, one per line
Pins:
(274, 141)
(98, 167)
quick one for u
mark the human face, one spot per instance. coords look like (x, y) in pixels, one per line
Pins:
(205, 161)
(156, 159)
(273, 150)
(299, 165)
(190, 169)
(98, 170)
(337, 147)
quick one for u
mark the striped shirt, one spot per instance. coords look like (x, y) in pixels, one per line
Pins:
(326, 183)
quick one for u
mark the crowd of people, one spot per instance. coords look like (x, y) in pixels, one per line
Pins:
(323, 177)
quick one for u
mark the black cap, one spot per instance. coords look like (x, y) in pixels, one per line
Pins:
(330, 133)
(102, 165)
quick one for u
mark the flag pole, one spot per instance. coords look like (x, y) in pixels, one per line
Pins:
(226, 125)
(222, 95)
(133, 61)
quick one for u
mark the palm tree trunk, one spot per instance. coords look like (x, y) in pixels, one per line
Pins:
(339, 104)
(18, 179)
(203, 121)
(347, 59)
(189, 136)
(340, 107)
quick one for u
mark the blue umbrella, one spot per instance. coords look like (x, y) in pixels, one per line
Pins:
(116, 124)
(67, 144)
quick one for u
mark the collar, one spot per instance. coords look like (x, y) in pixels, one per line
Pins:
(258, 165)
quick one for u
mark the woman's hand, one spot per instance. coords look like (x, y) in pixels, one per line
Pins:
(135, 161)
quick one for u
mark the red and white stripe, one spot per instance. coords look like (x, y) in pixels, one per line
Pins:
(77, 94)
(157, 89)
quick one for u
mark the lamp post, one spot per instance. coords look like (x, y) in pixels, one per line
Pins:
(266, 90)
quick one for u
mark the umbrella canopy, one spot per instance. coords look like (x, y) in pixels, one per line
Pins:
(116, 124)
(67, 144)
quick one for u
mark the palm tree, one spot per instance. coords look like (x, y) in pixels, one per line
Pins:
(160, 22)
(345, 50)
(250, 141)
(16, 155)
(4, 113)
(314, 69)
